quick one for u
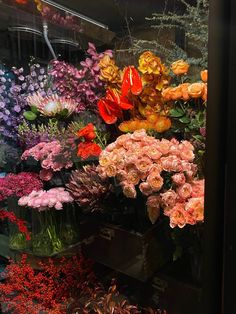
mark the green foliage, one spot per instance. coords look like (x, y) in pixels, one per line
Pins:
(194, 25)
(29, 115)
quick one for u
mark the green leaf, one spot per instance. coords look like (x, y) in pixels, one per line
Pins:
(64, 113)
(34, 109)
(29, 115)
(184, 120)
(176, 113)
(201, 152)
(198, 138)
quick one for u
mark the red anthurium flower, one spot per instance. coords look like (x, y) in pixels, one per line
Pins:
(131, 82)
(110, 107)
(86, 150)
(88, 132)
(122, 101)
(21, 1)
(109, 111)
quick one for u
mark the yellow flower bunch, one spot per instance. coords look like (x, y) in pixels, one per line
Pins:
(109, 71)
(151, 64)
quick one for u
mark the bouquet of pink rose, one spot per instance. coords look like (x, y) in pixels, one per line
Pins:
(163, 170)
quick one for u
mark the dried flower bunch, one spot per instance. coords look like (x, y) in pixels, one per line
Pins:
(88, 189)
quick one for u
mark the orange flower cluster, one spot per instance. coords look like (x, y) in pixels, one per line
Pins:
(88, 148)
(22, 1)
(150, 94)
(151, 64)
(109, 71)
(180, 67)
(185, 92)
(153, 122)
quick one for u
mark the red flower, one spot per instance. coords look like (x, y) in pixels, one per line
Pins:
(88, 132)
(110, 107)
(21, 1)
(131, 82)
(85, 150)
(21, 224)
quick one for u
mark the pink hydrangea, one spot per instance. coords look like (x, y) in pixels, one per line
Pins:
(50, 155)
(44, 200)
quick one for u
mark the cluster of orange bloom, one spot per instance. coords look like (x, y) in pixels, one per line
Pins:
(151, 106)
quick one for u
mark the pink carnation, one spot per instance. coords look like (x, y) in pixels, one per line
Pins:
(50, 155)
(43, 200)
(19, 184)
(45, 174)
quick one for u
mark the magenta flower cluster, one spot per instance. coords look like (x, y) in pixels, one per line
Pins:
(82, 85)
(19, 184)
(51, 156)
(44, 200)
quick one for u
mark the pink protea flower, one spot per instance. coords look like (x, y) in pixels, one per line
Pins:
(51, 105)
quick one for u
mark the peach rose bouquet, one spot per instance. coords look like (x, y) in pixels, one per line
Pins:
(162, 170)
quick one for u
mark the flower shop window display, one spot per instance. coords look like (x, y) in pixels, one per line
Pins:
(167, 168)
